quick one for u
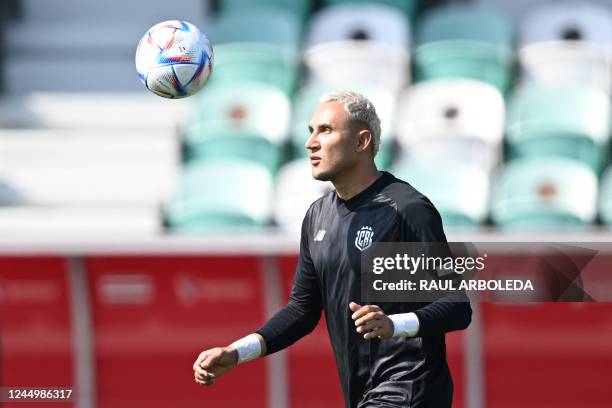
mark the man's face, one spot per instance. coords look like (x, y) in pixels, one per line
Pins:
(332, 145)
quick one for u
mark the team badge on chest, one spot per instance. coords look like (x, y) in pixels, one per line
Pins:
(363, 240)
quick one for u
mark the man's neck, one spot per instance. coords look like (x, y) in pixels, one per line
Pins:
(355, 182)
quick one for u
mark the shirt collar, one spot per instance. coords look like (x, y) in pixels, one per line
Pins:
(345, 207)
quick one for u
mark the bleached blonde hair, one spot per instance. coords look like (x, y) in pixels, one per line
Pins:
(360, 109)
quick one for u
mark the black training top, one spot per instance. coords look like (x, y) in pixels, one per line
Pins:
(327, 278)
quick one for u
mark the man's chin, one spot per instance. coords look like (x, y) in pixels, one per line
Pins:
(320, 175)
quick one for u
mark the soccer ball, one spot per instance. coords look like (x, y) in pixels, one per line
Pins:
(174, 59)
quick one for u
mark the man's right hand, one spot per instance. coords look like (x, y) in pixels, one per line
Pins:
(213, 363)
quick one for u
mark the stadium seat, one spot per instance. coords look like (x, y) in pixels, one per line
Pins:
(569, 121)
(544, 193)
(408, 7)
(295, 191)
(260, 45)
(257, 25)
(366, 22)
(567, 20)
(221, 195)
(515, 9)
(245, 120)
(563, 62)
(452, 120)
(359, 62)
(605, 198)
(307, 100)
(465, 41)
(266, 63)
(460, 191)
(301, 8)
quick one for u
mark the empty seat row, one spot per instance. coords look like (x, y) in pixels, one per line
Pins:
(246, 198)
(454, 120)
(372, 42)
(525, 194)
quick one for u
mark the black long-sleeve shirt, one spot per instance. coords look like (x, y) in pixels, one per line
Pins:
(327, 278)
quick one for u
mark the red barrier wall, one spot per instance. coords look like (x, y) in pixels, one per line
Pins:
(152, 315)
(35, 325)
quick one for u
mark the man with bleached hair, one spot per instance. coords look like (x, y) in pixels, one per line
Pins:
(388, 355)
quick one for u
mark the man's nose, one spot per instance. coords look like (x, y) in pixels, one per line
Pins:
(312, 142)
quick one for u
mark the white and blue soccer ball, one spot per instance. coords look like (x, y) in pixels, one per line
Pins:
(174, 59)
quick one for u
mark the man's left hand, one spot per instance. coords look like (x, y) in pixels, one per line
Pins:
(371, 321)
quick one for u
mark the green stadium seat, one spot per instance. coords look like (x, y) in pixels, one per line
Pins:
(307, 100)
(264, 63)
(465, 41)
(257, 25)
(246, 120)
(219, 196)
(460, 191)
(544, 193)
(515, 9)
(568, 121)
(408, 7)
(301, 8)
(261, 46)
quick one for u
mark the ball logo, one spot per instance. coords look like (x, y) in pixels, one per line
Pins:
(363, 240)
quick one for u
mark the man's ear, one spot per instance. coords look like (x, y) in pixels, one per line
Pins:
(364, 139)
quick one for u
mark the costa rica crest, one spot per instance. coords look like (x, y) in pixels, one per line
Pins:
(363, 240)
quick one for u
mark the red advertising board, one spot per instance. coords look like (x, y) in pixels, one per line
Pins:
(36, 348)
(547, 354)
(154, 315)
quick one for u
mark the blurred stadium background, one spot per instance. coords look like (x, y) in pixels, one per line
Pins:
(137, 231)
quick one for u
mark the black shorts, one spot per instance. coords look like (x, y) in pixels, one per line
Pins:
(405, 394)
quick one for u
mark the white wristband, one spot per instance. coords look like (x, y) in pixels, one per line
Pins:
(405, 324)
(248, 348)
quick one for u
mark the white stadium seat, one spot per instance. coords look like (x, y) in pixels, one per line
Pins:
(452, 119)
(367, 22)
(295, 191)
(360, 62)
(561, 62)
(567, 20)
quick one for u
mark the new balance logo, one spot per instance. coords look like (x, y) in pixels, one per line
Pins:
(319, 236)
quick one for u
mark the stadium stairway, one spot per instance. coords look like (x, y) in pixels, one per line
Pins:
(84, 45)
(83, 162)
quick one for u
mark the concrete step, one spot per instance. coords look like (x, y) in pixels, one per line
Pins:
(46, 167)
